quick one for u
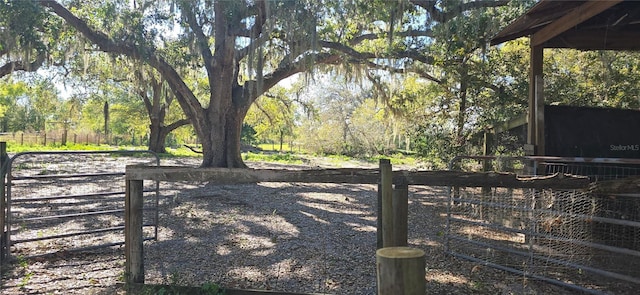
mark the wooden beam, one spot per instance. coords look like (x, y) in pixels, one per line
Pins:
(513, 123)
(176, 289)
(539, 122)
(580, 14)
(350, 175)
(490, 179)
(597, 39)
(535, 70)
(628, 185)
(242, 175)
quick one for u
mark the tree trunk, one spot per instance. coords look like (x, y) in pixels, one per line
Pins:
(157, 138)
(106, 119)
(221, 141)
(220, 125)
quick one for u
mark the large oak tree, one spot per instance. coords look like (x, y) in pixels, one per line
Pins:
(245, 47)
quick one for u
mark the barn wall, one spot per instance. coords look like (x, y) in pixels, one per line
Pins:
(592, 132)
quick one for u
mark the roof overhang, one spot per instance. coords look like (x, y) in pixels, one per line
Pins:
(584, 25)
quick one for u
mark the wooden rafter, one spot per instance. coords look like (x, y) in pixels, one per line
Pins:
(580, 14)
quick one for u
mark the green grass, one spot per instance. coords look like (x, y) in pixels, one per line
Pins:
(182, 152)
(285, 148)
(396, 159)
(267, 156)
(286, 158)
(15, 148)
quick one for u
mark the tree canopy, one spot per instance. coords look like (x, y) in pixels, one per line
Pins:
(247, 47)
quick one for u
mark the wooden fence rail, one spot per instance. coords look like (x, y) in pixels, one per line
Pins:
(391, 215)
(353, 175)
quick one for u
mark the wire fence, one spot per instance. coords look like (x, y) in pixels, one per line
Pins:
(61, 137)
(587, 240)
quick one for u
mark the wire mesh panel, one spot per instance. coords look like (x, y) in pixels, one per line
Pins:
(553, 234)
(64, 201)
(582, 239)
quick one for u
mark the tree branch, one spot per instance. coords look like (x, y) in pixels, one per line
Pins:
(187, 100)
(259, 106)
(436, 14)
(177, 124)
(374, 36)
(19, 65)
(203, 43)
(411, 54)
(288, 69)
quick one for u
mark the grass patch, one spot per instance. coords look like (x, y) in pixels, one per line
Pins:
(269, 155)
(15, 148)
(286, 158)
(396, 159)
(182, 152)
(285, 148)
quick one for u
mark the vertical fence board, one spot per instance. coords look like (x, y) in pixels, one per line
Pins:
(134, 259)
(401, 214)
(4, 158)
(379, 243)
(386, 181)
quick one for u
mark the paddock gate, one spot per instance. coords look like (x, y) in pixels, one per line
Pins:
(583, 239)
(57, 202)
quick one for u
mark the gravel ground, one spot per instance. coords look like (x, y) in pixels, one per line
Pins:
(276, 236)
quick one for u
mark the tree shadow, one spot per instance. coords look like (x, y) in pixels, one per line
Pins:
(249, 233)
(287, 237)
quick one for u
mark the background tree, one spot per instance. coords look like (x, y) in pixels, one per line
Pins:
(27, 106)
(346, 119)
(138, 91)
(158, 99)
(273, 116)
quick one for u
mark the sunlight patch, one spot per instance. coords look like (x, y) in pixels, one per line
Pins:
(361, 227)
(445, 278)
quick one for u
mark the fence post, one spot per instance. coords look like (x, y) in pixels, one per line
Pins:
(401, 213)
(4, 159)
(400, 271)
(379, 243)
(133, 247)
(386, 183)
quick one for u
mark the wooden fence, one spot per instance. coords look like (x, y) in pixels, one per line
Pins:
(392, 194)
(62, 138)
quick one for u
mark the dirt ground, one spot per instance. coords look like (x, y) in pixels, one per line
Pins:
(294, 237)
